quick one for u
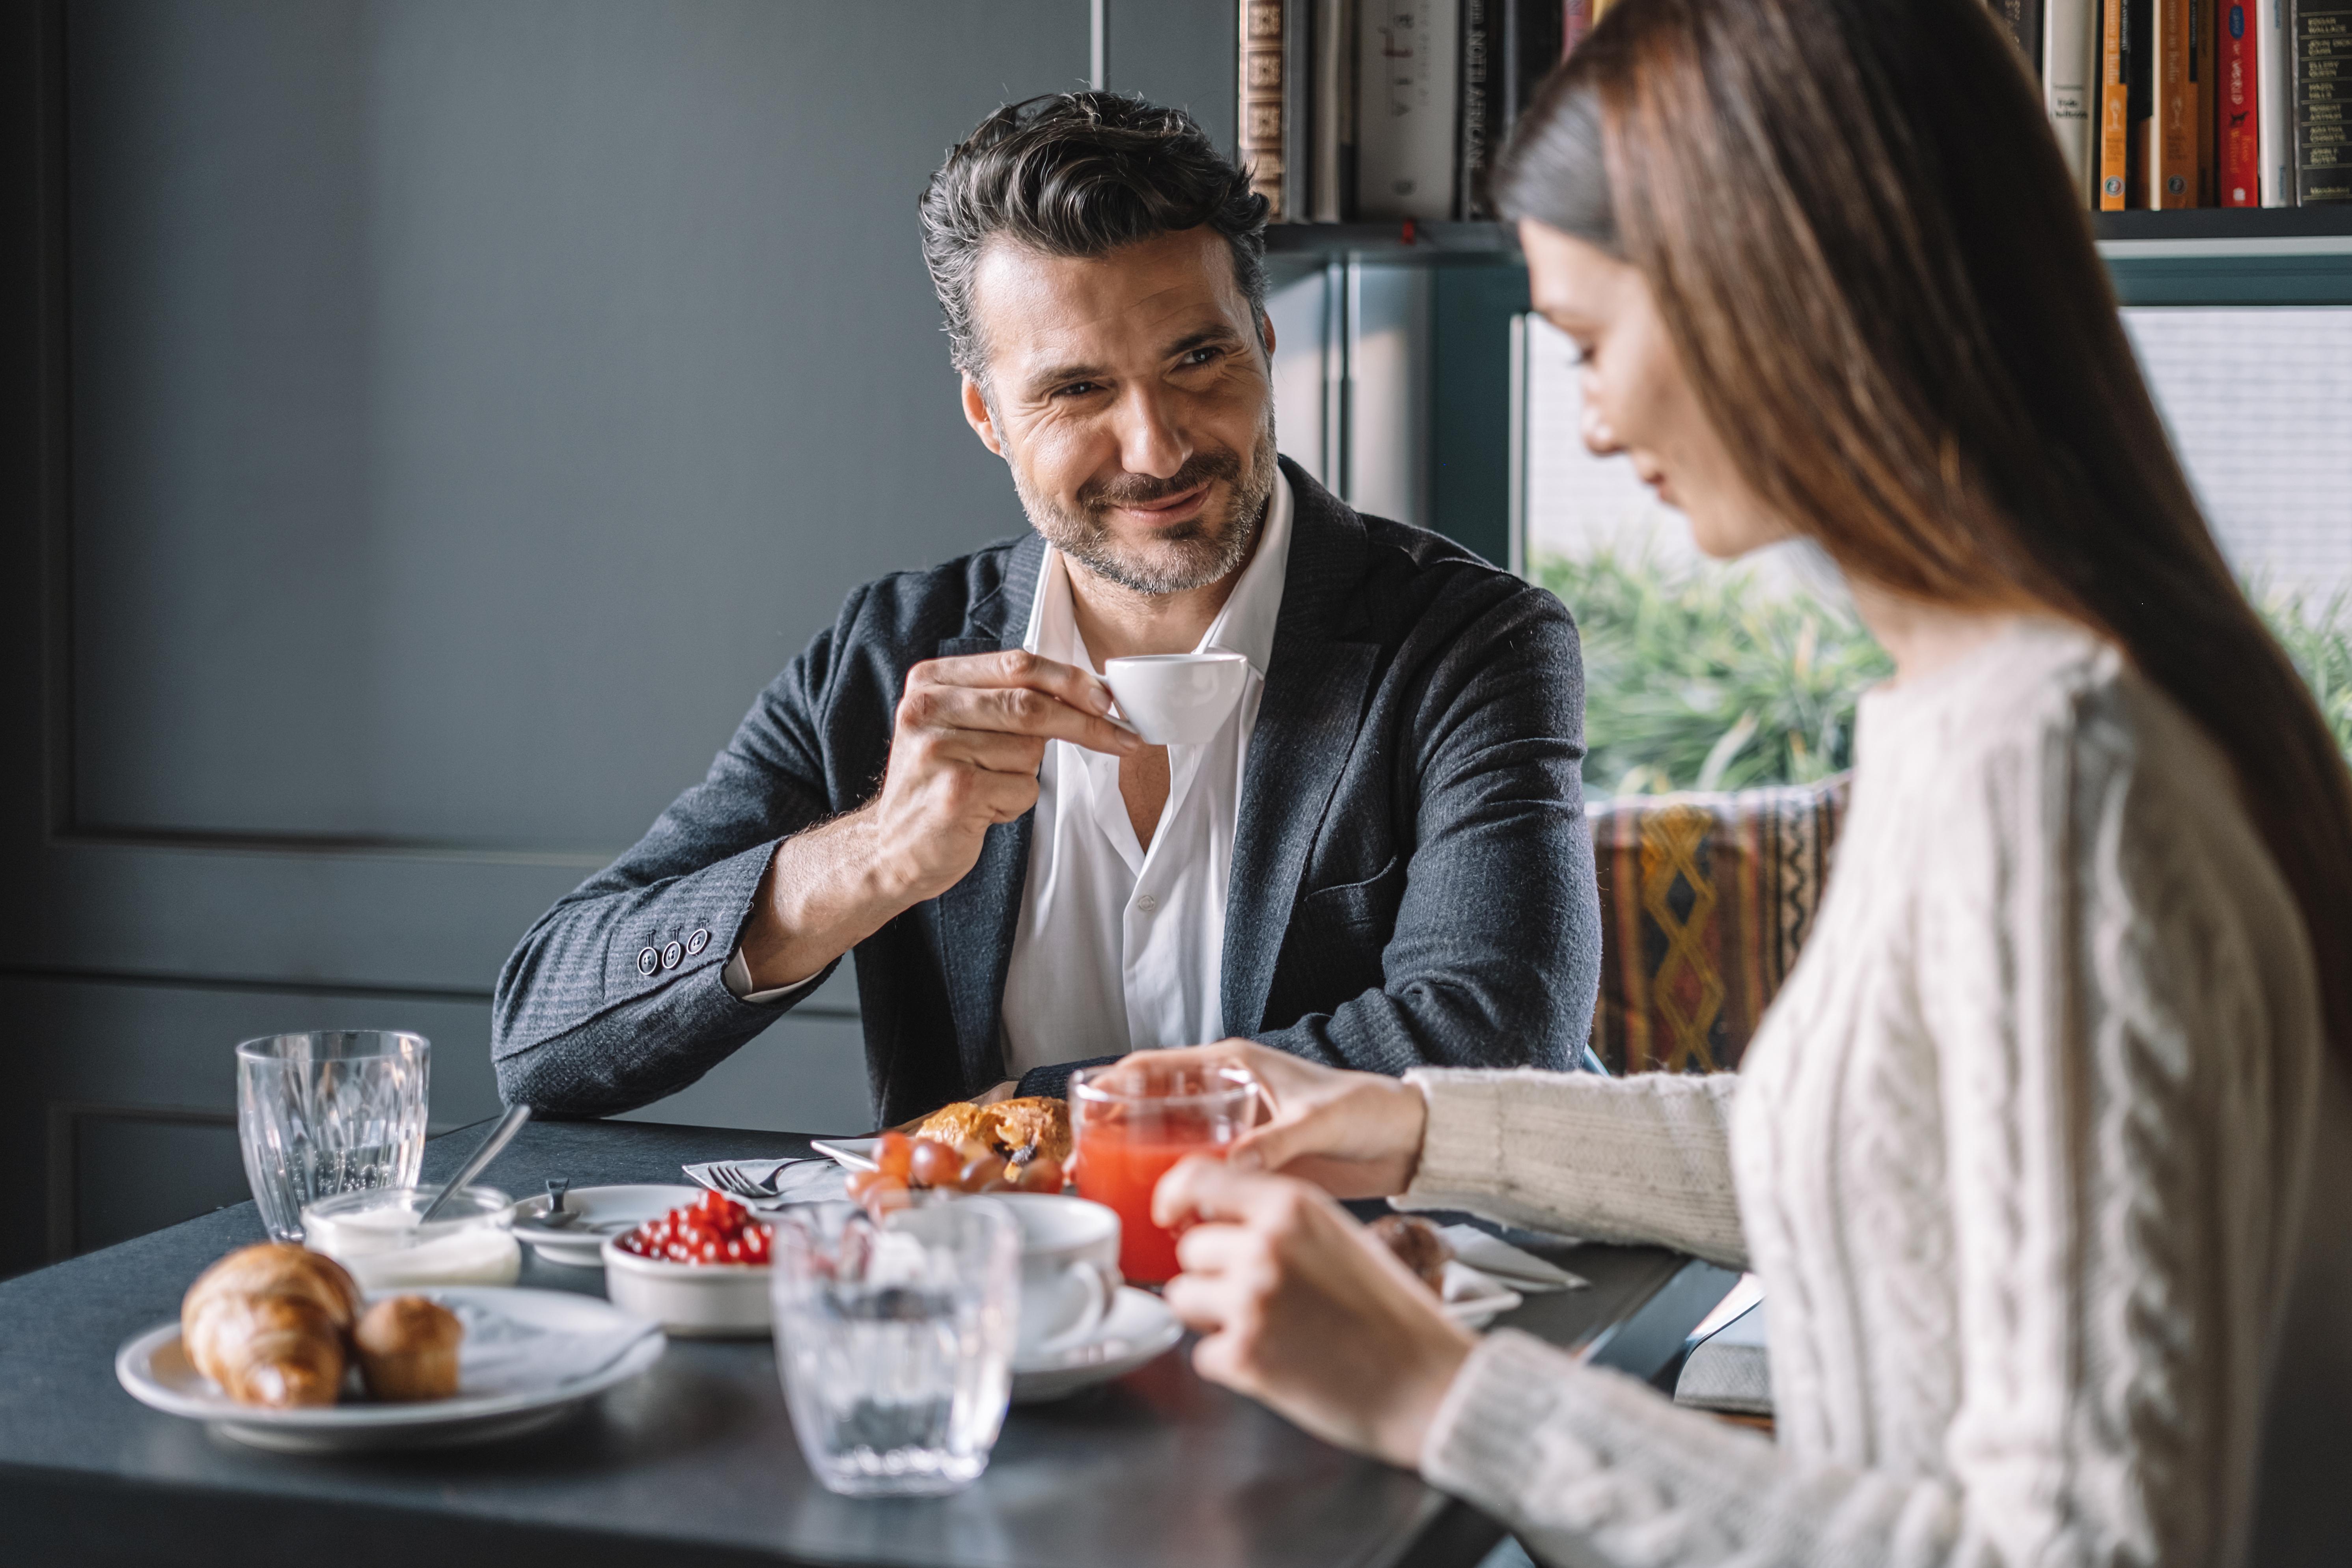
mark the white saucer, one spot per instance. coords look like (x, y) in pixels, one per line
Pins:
(1141, 1329)
(857, 1153)
(153, 1367)
(604, 1211)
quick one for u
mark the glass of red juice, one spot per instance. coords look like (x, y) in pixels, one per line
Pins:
(1130, 1122)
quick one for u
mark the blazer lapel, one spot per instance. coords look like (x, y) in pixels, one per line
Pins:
(978, 915)
(1307, 723)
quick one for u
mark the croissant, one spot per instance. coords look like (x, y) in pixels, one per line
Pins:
(268, 1324)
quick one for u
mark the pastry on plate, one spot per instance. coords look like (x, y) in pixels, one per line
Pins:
(1037, 1123)
(267, 1323)
(408, 1349)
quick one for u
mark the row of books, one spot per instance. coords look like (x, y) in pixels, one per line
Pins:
(1391, 108)
(2195, 103)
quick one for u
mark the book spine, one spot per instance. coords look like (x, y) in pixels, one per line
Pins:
(1407, 88)
(1576, 19)
(1260, 138)
(1332, 190)
(2274, 103)
(2139, 72)
(2172, 138)
(2069, 74)
(2201, 70)
(2115, 109)
(1530, 45)
(1297, 105)
(2236, 133)
(1474, 138)
(2322, 85)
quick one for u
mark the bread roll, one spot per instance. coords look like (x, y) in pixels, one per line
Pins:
(267, 1323)
(408, 1349)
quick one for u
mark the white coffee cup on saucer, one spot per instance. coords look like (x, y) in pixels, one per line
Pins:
(1069, 1269)
(1177, 699)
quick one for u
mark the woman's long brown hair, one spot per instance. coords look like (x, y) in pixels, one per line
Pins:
(1864, 243)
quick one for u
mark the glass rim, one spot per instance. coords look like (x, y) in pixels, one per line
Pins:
(1238, 1080)
(264, 1049)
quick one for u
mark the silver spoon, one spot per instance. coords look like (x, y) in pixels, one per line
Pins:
(500, 1136)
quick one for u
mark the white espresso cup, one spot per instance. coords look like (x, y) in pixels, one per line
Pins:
(1177, 699)
(1069, 1269)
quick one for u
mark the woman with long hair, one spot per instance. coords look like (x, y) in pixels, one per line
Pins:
(2038, 1153)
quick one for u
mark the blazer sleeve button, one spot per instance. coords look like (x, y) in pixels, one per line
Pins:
(671, 954)
(697, 943)
(648, 960)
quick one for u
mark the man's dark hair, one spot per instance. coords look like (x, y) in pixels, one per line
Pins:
(1081, 174)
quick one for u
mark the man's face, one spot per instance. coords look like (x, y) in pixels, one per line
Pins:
(1131, 395)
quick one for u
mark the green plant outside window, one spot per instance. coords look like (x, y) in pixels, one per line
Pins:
(1708, 678)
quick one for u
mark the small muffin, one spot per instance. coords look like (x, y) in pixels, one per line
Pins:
(408, 1349)
(1417, 1245)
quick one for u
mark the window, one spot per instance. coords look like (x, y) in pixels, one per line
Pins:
(1705, 676)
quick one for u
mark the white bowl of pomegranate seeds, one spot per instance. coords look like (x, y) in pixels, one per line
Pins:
(700, 1271)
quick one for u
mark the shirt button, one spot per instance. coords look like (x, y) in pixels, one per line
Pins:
(1147, 903)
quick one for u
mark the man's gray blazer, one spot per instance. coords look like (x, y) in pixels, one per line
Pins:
(1412, 875)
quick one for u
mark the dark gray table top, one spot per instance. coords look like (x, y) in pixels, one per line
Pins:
(696, 1462)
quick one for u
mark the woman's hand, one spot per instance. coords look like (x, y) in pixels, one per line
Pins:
(1354, 1134)
(1304, 1309)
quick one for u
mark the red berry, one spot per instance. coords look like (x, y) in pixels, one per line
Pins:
(894, 1156)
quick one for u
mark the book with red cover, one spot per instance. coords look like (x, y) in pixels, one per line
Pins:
(2237, 132)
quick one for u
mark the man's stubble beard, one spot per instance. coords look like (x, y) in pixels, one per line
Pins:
(1201, 551)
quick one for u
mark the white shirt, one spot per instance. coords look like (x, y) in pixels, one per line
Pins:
(1118, 947)
(1122, 947)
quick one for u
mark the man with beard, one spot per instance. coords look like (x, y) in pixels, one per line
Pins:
(1380, 861)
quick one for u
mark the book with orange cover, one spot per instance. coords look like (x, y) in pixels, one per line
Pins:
(2115, 109)
(2170, 159)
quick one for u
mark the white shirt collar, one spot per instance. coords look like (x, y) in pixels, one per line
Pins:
(1246, 626)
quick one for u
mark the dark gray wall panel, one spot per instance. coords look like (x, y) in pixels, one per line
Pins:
(475, 401)
(1180, 52)
(85, 1058)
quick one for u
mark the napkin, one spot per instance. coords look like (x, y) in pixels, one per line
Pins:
(1498, 1260)
(799, 1181)
(500, 1354)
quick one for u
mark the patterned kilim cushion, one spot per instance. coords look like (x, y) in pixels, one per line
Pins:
(1704, 901)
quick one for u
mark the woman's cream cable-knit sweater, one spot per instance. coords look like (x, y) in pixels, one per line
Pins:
(2021, 1155)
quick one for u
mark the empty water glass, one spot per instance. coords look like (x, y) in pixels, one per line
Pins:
(895, 1341)
(337, 1110)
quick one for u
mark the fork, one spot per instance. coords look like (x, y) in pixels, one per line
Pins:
(732, 1180)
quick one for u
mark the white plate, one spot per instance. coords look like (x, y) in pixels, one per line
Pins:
(604, 1211)
(153, 1368)
(857, 1153)
(1139, 1330)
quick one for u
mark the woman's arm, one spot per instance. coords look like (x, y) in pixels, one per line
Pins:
(2118, 1002)
(1642, 1159)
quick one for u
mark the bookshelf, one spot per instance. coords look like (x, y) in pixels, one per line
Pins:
(2209, 256)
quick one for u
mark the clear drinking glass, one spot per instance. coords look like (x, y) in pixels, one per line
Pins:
(895, 1341)
(337, 1110)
